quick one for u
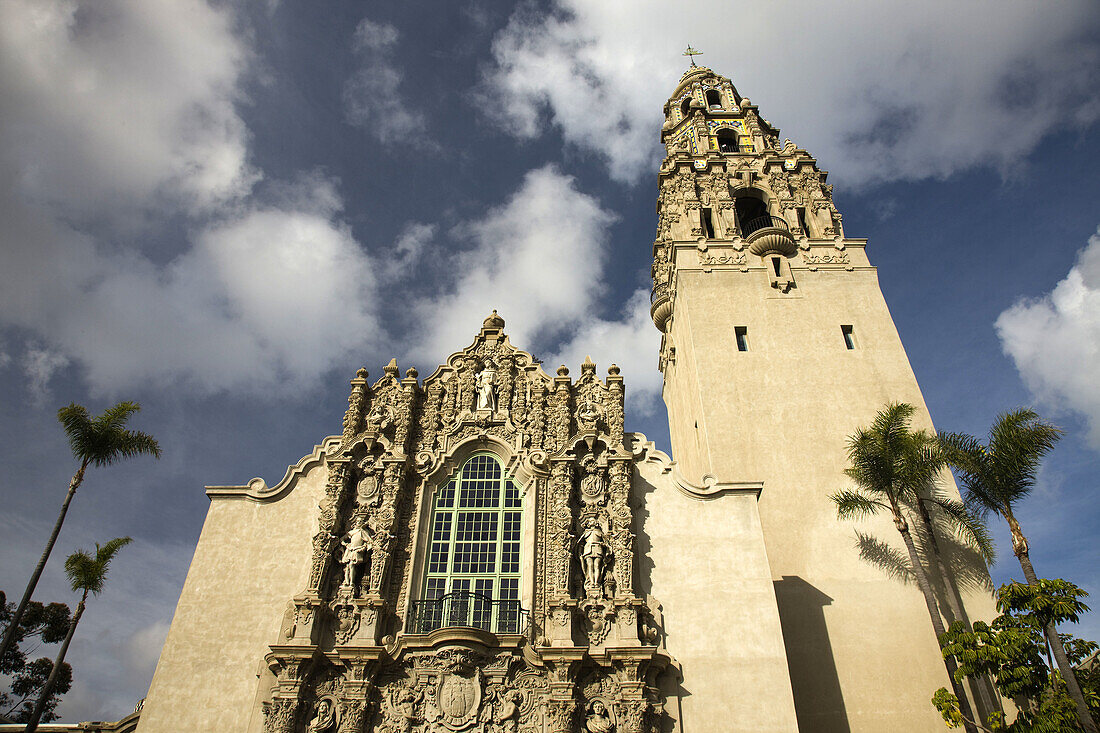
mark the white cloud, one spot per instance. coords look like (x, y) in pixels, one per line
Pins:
(935, 87)
(39, 365)
(632, 343)
(411, 245)
(1055, 340)
(372, 95)
(538, 260)
(118, 116)
(121, 103)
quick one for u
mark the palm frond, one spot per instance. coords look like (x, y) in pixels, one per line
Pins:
(87, 573)
(103, 440)
(855, 504)
(968, 527)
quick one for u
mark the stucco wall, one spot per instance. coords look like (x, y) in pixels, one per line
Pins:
(248, 563)
(704, 562)
(861, 649)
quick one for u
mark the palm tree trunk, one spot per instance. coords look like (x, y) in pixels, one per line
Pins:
(47, 689)
(9, 634)
(980, 685)
(1019, 544)
(934, 614)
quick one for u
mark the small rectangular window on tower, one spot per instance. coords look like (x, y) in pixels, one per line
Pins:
(708, 223)
(849, 337)
(741, 334)
(801, 211)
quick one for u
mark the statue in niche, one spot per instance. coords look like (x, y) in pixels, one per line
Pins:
(588, 415)
(593, 554)
(599, 718)
(355, 546)
(486, 384)
(325, 718)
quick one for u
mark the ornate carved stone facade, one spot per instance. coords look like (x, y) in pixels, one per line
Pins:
(349, 660)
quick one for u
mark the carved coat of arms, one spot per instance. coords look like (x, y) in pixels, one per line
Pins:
(457, 699)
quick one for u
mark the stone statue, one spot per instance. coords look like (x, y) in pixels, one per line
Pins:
(508, 717)
(379, 418)
(325, 718)
(599, 719)
(593, 552)
(486, 381)
(588, 415)
(355, 546)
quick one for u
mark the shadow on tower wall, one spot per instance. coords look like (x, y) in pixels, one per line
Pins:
(818, 700)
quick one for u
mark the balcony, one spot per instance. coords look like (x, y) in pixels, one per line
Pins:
(767, 233)
(660, 304)
(462, 609)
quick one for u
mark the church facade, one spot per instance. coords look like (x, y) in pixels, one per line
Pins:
(488, 550)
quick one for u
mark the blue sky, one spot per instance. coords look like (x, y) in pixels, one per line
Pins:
(222, 211)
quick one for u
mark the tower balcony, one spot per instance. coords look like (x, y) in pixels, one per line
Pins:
(769, 233)
(660, 308)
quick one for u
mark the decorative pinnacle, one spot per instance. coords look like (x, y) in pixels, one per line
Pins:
(391, 369)
(691, 53)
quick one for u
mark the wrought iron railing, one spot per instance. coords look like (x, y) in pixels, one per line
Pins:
(470, 610)
(660, 290)
(764, 222)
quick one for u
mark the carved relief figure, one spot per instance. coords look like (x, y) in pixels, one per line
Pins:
(486, 383)
(599, 719)
(355, 546)
(379, 418)
(507, 718)
(593, 552)
(325, 718)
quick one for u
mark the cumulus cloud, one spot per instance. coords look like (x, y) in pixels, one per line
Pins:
(266, 298)
(937, 86)
(122, 103)
(119, 115)
(537, 259)
(631, 342)
(39, 366)
(1055, 340)
(372, 96)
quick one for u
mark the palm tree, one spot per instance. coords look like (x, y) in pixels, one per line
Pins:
(95, 441)
(997, 475)
(893, 466)
(87, 575)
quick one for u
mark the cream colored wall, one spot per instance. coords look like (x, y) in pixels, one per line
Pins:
(862, 652)
(704, 561)
(248, 564)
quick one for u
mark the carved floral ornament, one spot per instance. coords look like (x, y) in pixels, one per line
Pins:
(344, 659)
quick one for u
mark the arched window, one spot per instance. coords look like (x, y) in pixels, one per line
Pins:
(727, 141)
(474, 551)
(714, 99)
(752, 213)
(685, 106)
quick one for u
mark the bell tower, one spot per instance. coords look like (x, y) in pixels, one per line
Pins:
(776, 345)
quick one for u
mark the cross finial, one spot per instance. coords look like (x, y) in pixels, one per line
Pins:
(691, 53)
